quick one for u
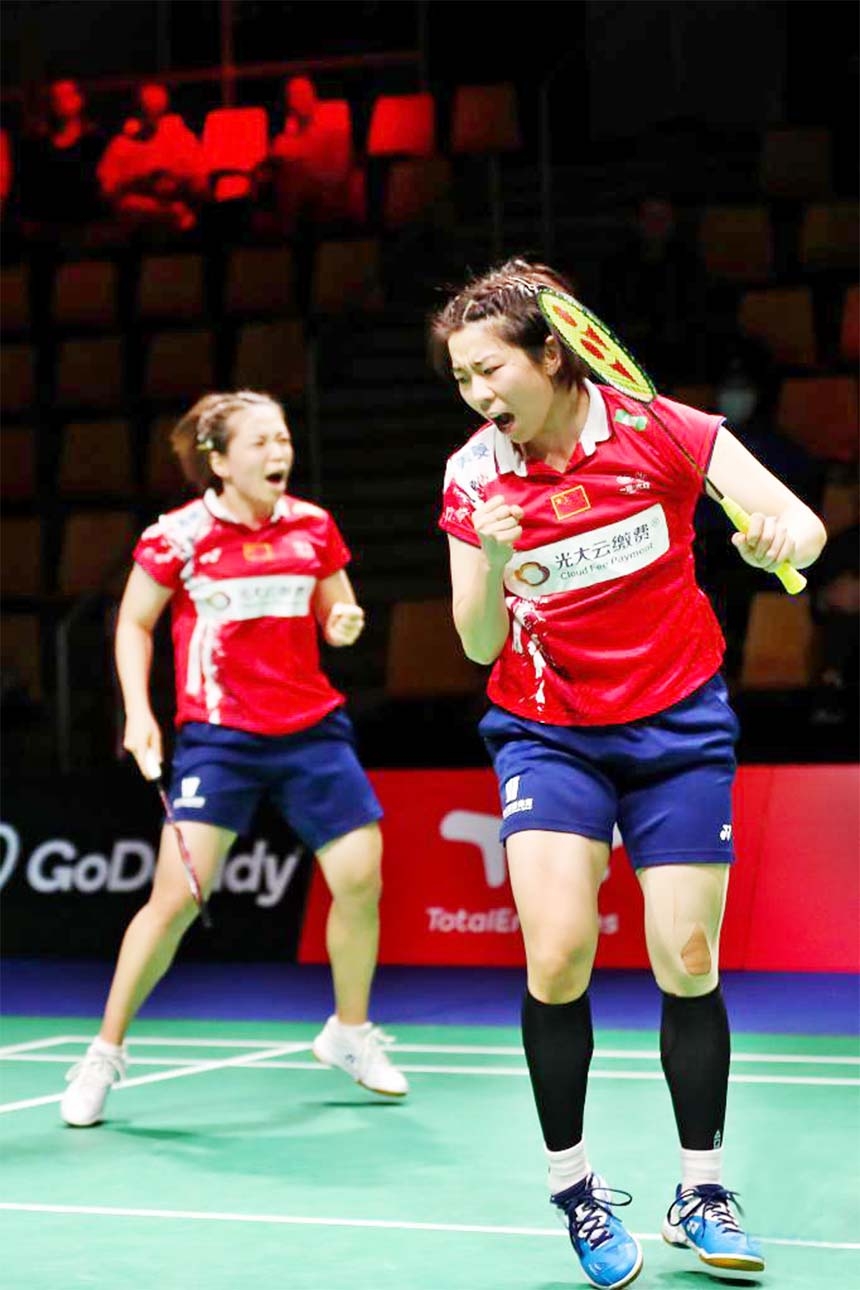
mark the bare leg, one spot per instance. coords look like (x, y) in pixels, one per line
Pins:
(352, 867)
(153, 935)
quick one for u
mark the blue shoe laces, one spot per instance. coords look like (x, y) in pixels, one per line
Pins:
(712, 1201)
(592, 1226)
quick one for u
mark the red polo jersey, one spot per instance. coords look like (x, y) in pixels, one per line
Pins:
(246, 651)
(608, 623)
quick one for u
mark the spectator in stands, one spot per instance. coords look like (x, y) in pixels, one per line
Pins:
(153, 173)
(310, 166)
(59, 190)
(653, 292)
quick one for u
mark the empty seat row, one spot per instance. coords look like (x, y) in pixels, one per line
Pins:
(738, 242)
(258, 280)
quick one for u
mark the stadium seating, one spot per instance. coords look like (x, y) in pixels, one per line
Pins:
(779, 647)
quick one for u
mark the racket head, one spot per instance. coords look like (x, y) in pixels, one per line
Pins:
(585, 335)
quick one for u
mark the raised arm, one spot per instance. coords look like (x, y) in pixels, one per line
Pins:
(143, 602)
(782, 527)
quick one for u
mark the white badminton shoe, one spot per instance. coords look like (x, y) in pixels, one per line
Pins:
(360, 1051)
(90, 1080)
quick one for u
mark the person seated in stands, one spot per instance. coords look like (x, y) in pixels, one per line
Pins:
(153, 173)
(310, 165)
(58, 188)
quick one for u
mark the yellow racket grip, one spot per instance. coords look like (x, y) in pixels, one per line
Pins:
(792, 579)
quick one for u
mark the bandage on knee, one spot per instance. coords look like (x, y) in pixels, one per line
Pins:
(696, 954)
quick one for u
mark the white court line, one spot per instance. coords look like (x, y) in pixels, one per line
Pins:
(202, 1068)
(463, 1050)
(402, 1225)
(262, 1060)
(6, 1049)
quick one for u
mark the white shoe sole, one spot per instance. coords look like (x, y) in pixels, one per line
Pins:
(718, 1263)
(332, 1065)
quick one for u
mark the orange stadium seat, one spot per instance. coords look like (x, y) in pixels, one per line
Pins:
(179, 365)
(96, 551)
(17, 377)
(425, 656)
(235, 141)
(849, 331)
(20, 555)
(347, 275)
(779, 646)
(85, 294)
(260, 280)
(171, 286)
(485, 118)
(783, 318)
(840, 506)
(14, 300)
(95, 458)
(20, 653)
(402, 125)
(414, 186)
(736, 242)
(830, 236)
(821, 413)
(271, 357)
(89, 373)
(17, 463)
(163, 475)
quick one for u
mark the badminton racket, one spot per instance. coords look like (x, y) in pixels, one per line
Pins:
(580, 331)
(153, 774)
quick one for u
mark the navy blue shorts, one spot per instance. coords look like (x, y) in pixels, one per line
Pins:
(666, 780)
(314, 777)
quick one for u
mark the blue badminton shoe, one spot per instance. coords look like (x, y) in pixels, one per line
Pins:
(703, 1219)
(609, 1255)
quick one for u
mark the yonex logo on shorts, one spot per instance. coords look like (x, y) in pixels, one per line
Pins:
(726, 833)
(514, 803)
(189, 793)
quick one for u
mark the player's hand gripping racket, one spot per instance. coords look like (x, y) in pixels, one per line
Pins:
(587, 337)
(152, 771)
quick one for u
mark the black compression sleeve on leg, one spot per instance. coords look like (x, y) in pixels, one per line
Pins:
(695, 1049)
(558, 1041)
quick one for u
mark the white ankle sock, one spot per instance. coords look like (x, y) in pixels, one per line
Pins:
(109, 1050)
(355, 1031)
(701, 1167)
(568, 1167)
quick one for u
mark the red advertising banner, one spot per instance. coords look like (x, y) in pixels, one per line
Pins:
(793, 898)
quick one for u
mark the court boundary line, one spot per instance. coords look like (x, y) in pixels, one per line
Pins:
(260, 1062)
(297, 1220)
(488, 1050)
(202, 1068)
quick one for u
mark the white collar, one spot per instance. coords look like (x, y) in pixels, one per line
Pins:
(510, 459)
(214, 503)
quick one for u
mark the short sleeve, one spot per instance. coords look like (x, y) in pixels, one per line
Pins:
(160, 557)
(336, 554)
(695, 430)
(457, 508)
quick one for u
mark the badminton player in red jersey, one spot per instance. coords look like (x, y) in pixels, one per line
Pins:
(251, 575)
(570, 521)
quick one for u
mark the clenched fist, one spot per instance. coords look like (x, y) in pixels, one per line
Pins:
(497, 524)
(344, 624)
